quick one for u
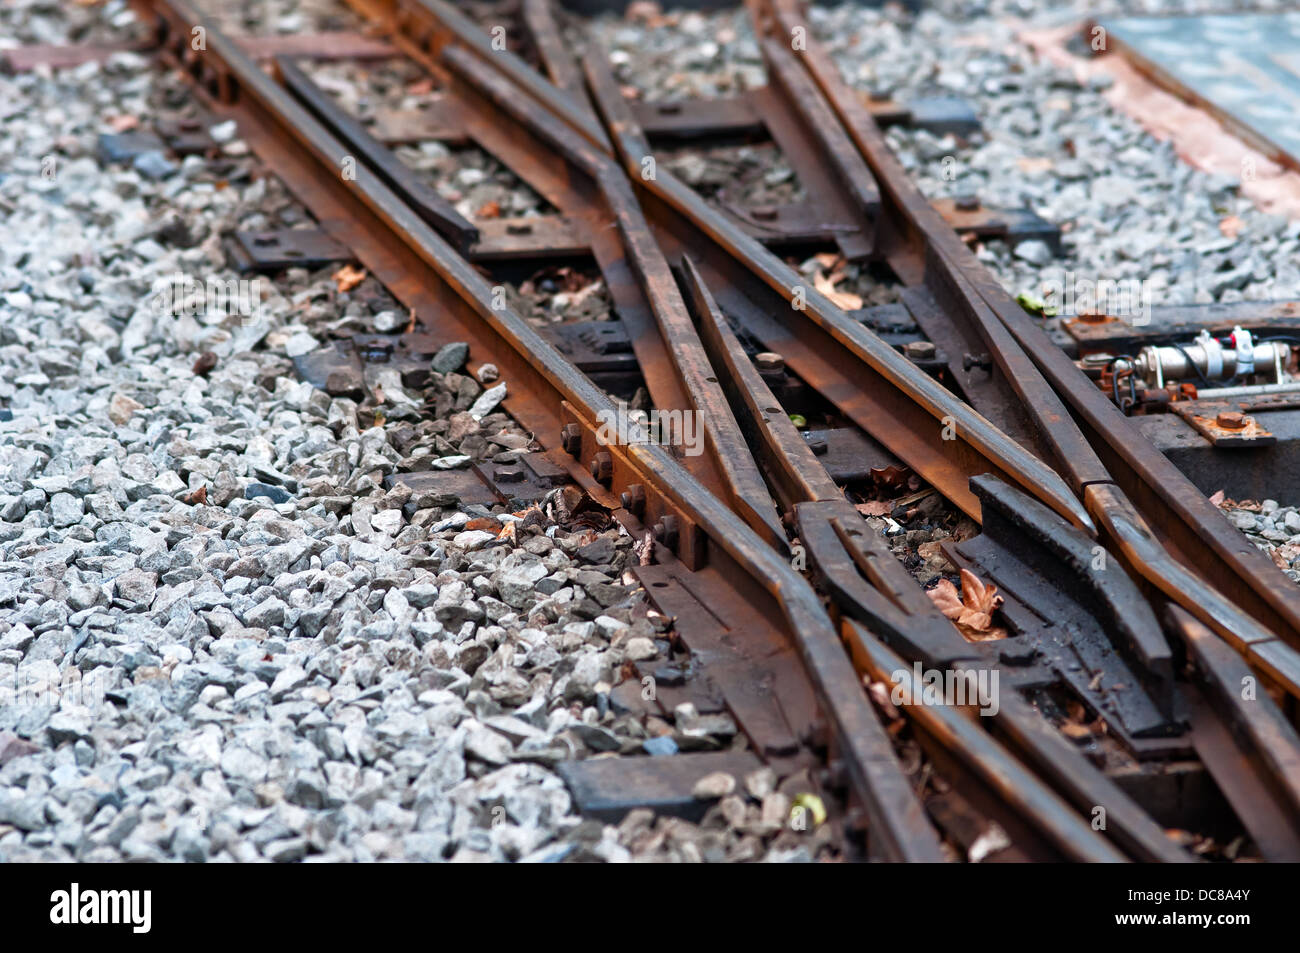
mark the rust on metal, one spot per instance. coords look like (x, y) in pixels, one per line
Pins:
(548, 396)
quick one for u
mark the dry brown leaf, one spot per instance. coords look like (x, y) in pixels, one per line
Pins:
(348, 277)
(122, 122)
(508, 533)
(1033, 164)
(1217, 498)
(946, 599)
(875, 507)
(844, 300)
(1231, 226)
(645, 550)
(972, 610)
(490, 210)
(880, 694)
(646, 12)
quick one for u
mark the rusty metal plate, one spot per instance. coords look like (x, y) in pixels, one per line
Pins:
(531, 237)
(1223, 423)
(59, 56)
(608, 788)
(1093, 331)
(187, 136)
(805, 223)
(730, 118)
(526, 481)
(335, 368)
(277, 249)
(848, 454)
(1011, 225)
(446, 487)
(331, 45)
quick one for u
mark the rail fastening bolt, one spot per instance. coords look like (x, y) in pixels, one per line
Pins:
(665, 531)
(769, 361)
(919, 350)
(571, 439)
(602, 466)
(1231, 420)
(633, 499)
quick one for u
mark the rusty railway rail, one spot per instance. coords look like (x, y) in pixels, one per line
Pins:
(1029, 454)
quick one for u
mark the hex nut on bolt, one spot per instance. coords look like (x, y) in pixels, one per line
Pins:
(633, 499)
(602, 466)
(571, 439)
(665, 531)
(1231, 420)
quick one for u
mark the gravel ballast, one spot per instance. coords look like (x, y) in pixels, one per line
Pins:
(228, 630)
(224, 634)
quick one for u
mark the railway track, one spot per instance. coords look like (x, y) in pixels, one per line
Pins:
(1132, 607)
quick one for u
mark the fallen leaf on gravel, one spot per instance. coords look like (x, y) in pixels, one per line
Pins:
(844, 300)
(1033, 164)
(205, 363)
(484, 523)
(198, 496)
(812, 804)
(973, 609)
(533, 516)
(1217, 499)
(644, 550)
(348, 277)
(875, 507)
(1230, 226)
(490, 210)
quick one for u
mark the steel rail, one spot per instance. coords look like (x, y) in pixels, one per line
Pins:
(738, 478)
(904, 408)
(1137, 832)
(1124, 529)
(425, 272)
(1183, 518)
(1015, 785)
(829, 528)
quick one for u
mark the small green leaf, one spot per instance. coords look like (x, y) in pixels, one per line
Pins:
(812, 804)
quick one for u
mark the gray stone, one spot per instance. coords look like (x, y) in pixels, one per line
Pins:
(451, 357)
